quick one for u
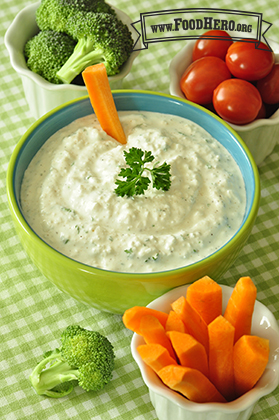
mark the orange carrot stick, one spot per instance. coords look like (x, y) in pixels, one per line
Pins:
(189, 351)
(240, 307)
(154, 333)
(175, 323)
(205, 296)
(191, 383)
(195, 325)
(250, 357)
(132, 317)
(155, 356)
(97, 83)
(221, 341)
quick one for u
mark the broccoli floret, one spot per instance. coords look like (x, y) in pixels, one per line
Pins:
(101, 38)
(85, 358)
(53, 14)
(94, 25)
(96, 6)
(46, 53)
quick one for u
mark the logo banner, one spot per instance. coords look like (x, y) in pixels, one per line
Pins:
(187, 24)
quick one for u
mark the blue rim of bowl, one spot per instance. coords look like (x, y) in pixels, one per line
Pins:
(15, 208)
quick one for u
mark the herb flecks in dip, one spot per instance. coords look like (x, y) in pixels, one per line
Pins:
(68, 195)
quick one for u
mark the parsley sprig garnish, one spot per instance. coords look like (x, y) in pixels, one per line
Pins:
(135, 183)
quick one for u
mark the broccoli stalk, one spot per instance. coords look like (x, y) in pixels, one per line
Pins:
(101, 38)
(84, 55)
(45, 380)
(85, 358)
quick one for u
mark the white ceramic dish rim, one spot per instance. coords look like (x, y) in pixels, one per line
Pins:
(175, 76)
(262, 316)
(19, 64)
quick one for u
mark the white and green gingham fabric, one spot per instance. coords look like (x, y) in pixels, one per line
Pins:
(33, 312)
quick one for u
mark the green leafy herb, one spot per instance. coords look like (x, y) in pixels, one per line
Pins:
(135, 183)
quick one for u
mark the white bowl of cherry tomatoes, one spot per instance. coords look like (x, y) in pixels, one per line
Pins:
(236, 81)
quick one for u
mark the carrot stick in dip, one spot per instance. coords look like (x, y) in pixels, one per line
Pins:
(97, 84)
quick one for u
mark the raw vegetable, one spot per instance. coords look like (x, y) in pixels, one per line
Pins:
(250, 357)
(54, 14)
(155, 356)
(247, 62)
(135, 183)
(46, 53)
(85, 358)
(153, 332)
(269, 86)
(201, 78)
(230, 100)
(213, 372)
(191, 383)
(101, 38)
(221, 342)
(212, 43)
(244, 61)
(189, 351)
(97, 84)
(195, 325)
(175, 323)
(97, 33)
(205, 296)
(240, 307)
(132, 317)
(262, 112)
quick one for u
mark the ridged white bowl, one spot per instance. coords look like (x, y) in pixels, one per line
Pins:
(261, 136)
(170, 405)
(41, 95)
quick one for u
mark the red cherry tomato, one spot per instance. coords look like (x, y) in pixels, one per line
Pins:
(212, 47)
(262, 112)
(202, 77)
(247, 62)
(269, 86)
(237, 101)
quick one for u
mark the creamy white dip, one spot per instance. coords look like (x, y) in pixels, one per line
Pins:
(68, 196)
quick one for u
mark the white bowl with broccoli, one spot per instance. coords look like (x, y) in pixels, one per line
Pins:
(43, 95)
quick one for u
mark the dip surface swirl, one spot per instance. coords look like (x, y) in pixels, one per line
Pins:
(68, 197)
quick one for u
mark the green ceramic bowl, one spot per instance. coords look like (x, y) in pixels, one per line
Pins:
(115, 291)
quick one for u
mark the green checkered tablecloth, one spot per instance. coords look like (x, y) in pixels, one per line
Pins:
(33, 312)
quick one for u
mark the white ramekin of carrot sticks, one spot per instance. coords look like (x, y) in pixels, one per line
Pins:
(206, 350)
